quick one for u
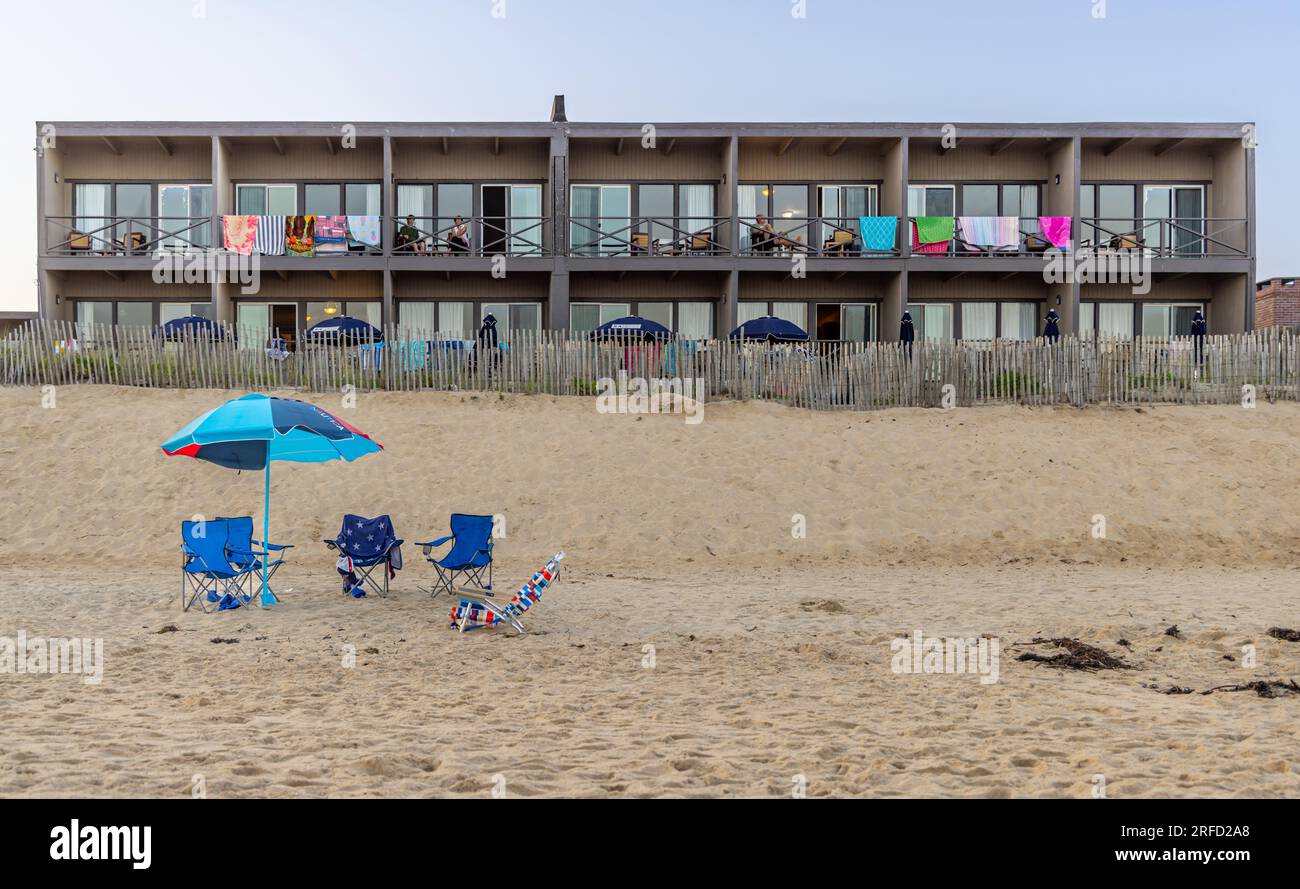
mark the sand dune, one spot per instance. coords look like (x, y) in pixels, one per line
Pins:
(771, 653)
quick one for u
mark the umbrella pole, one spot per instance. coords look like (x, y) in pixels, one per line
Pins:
(267, 597)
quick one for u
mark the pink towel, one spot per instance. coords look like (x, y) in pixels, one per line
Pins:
(918, 247)
(238, 233)
(1055, 229)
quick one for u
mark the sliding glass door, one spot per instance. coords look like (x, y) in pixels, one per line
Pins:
(602, 215)
(931, 200)
(181, 208)
(512, 221)
(1174, 217)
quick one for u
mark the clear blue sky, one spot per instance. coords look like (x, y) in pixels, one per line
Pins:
(670, 60)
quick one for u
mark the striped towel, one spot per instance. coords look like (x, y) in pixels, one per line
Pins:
(990, 232)
(270, 235)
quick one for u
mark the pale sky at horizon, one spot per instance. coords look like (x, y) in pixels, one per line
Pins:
(674, 60)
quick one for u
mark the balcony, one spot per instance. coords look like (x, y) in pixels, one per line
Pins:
(471, 236)
(1163, 238)
(648, 236)
(139, 236)
(813, 236)
(1027, 239)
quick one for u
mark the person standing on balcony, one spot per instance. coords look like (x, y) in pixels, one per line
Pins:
(458, 237)
(1052, 326)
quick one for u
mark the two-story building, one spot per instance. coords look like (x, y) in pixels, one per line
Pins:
(840, 227)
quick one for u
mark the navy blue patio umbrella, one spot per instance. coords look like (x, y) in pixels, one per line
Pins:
(633, 325)
(195, 325)
(771, 329)
(343, 327)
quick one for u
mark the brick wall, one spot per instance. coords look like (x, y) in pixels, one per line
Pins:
(1277, 301)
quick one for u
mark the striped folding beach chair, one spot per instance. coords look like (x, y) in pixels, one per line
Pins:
(477, 612)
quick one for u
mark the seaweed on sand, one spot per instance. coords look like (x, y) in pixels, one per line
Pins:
(1075, 655)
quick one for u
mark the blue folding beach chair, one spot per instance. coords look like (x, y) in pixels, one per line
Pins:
(367, 544)
(240, 543)
(208, 574)
(470, 555)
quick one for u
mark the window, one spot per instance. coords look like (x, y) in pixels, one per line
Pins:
(851, 322)
(172, 311)
(795, 313)
(931, 321)
(979, 320)
(266, 200)
(322, 199)
(361, 199)
(931, 200)
(785, 207)
(515, 316)
(695, 320)
(586, 317)
(89, 313)
(1019, 320)
(417, 320)
(1168, 319)
(135, 314)
(1087, 320)
(659, 313)
(110, 212)
(1173, 219)
(748, 311)
(456, 321)
(840, 207)
(601, 216)
(512, 220)
(181, 208)
(1115, 319)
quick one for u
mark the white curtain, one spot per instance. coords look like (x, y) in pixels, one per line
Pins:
(1019, 321)
(525, 222)
(584, 317)
(978, 321)
(696, 207)
(795, 313)
(416, 320)
(695, 320)
(748, 311)
(748, 209)
(93, 208)
(1115, 319)
(456, 320)
(1087, 320)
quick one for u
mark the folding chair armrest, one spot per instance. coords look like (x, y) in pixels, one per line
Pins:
(332, 544)
(439, 542)
(275, 546)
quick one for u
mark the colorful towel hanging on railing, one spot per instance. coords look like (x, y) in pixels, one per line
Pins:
(879, 233)
(331, 234)
(300, 235)
(270, 235)
(1055, 230)
(364, 230)
(932, 234)
(239, 234)
(990, 232)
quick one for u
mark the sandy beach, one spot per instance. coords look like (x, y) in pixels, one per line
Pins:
(695, 646)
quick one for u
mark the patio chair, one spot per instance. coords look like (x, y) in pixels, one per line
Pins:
(470, 555)
(840, 243)
(477, 612)
(366, 544)
(641, 243)
(208, 575)
(698, 243)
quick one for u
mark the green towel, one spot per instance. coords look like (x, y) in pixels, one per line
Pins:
(934, 229)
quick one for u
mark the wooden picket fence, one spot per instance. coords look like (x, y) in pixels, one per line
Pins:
(820, 375)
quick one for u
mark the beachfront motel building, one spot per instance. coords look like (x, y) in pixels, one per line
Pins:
(699, 226)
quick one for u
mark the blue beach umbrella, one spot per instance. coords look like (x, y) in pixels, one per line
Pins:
(250, 432)
(770, 328)
(344, 327)
(195, 324)
(633, 324)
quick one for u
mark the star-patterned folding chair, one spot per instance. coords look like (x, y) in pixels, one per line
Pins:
(364, 545)
(477, 612)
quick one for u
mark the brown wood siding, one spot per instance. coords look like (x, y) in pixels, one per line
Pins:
(134, 285)
(305, 159)
(806, 161)
(607, 288)
(852, 288)
(432, 286)
(316, 285)
(689, 162)
(1136, 162)
(973, 161)
(522, 160)
(933, 288)
(90, 159)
